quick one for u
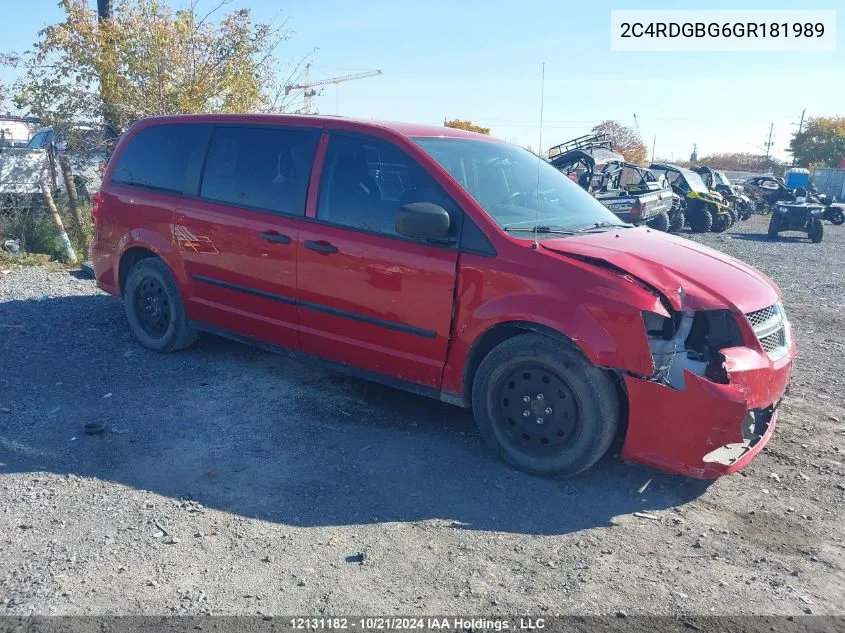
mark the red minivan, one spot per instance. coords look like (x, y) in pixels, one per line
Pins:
(453, 265)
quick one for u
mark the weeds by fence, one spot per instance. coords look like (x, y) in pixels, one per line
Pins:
(26, 218)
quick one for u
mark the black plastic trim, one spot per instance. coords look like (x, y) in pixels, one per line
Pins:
(399, 327)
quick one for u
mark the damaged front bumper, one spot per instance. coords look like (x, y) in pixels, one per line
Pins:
(705, 428)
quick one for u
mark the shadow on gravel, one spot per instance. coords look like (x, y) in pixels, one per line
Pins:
(263, 436)
(763, 237)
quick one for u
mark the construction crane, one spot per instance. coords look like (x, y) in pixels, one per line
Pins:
(308, 86)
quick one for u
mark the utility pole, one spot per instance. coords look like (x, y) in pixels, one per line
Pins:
(653, 145)
(769, 142)
(800, 129)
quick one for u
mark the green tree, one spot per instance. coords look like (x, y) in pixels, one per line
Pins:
(150, 59)
(821, 143)
(624, 139)
(467, 125)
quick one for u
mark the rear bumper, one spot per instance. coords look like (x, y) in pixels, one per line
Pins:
(104, 263)
(707, 429)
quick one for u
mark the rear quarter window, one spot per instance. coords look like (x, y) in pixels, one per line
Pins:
(157, 157)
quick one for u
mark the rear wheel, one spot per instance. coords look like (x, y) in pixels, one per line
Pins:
(774, 226)
(836, 216)
(544, 408)
(816, 232)
(154, 308)
(660, 222)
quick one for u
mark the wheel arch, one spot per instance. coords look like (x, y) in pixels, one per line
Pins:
(141, 244)
(500, 332)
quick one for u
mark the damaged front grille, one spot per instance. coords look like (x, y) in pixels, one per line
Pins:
(769, 325)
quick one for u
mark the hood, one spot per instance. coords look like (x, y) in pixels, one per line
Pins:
(711, 279)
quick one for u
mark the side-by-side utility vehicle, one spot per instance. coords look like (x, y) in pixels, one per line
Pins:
(452, 265)
(705, 210)
(634, 194)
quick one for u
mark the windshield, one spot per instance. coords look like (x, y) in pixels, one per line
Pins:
(694, 181)
(503, 179)
(722, 179)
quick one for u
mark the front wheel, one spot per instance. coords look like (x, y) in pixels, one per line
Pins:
(701, 221)
(154, 308)
(774, 227)
(816, 232)
(544, 408)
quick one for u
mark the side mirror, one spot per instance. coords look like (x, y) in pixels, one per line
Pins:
(423, 220)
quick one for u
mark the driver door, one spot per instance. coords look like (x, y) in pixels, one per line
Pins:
(369, 297)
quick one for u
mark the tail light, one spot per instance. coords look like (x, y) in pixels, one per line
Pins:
(637, 208)
(96, 205)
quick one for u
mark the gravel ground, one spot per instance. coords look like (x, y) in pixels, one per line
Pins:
(234, 481)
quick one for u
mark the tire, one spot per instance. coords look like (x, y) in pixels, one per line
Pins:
(660, 222)
(575, 401)
(732, 214)
(816, 232)
(701, 221)
(163, 327)
(837, 216)
(719, 223)
(774, 226)
(677, 222)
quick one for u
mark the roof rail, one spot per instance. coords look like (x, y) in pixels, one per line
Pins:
(586, 142)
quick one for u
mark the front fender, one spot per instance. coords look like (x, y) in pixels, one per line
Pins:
(599, 311)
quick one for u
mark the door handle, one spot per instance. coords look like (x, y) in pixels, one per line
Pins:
(321, 246)
(272, 236)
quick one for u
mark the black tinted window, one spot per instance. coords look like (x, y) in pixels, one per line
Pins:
(366, 182)
(157, 157)
(260, 167)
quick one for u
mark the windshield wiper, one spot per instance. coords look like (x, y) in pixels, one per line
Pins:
(539, 229)
(602, 225)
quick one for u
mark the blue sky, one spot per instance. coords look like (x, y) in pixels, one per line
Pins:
(482, 60)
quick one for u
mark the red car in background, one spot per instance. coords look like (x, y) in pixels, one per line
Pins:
(450, 264)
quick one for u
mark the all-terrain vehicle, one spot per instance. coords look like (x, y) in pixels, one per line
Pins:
(704, 210)
(798, 215)
(633, 193)
(740, 205)
(769, 190)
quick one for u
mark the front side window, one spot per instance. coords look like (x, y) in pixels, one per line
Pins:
(515, 188)
(366, 182)
(157, 157)
(260, 167)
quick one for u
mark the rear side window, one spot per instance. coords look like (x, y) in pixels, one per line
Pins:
(260, 167)
(157, 157)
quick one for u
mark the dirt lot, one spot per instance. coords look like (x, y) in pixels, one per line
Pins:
(233, 481)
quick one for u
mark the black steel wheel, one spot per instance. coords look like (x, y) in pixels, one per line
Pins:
(154, 307)
(542, 407)
(538, 410)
